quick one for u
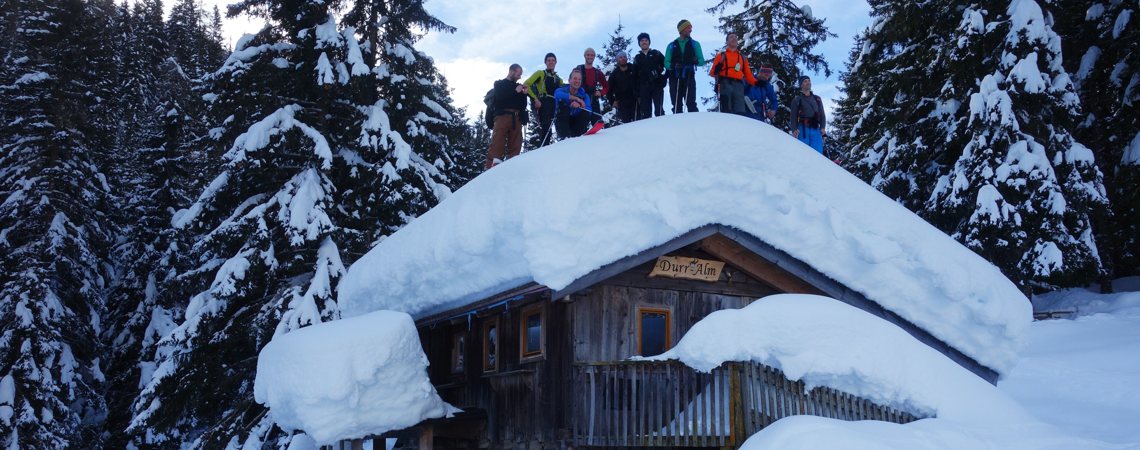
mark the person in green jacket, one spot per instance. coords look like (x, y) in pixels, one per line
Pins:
(682, 57)
(540, 87)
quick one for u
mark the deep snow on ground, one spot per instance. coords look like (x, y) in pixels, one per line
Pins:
(1083, 374)
(1079, 380)
(826, 342)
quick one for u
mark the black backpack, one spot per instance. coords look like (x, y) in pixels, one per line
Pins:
(489, 115)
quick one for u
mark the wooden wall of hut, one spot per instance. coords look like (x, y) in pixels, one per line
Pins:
(605, 324)
(527, 402)
(522, 398)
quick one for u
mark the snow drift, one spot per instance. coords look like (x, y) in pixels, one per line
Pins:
(825, 342)
(349, 378)
(556, 214)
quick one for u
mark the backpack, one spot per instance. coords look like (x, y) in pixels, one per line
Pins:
(688, 52)
(489, 114)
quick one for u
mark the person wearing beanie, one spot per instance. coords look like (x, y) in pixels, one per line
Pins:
(649, 79)
(682, 57)
(623, 89)
(684, 23)
(808, 120)
(762, 96)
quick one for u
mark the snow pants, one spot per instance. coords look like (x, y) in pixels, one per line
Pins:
(571, 125)
(506, 138)
(683, 89)
(732, 96)
(812, 137)
(650, 100)
(545, 116)
(626, 108)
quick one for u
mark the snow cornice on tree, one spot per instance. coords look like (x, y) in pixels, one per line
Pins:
(560, 213)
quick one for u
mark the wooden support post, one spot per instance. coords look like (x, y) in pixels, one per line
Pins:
(357, 444)
(736, 394)
(427, 437)
(593, 407)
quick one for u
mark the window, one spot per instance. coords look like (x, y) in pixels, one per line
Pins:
(458, 350)
(531, 339)
(491, 345)
(654, 331)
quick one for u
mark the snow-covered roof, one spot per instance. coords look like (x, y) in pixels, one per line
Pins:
(348, 379)
(556, 214)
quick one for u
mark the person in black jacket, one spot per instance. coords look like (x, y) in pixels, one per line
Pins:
(510, 110)
(649, 71)
(623, 89)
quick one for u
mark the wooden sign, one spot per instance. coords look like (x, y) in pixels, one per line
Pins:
(687, 268)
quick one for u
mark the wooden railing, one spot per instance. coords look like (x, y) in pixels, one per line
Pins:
(667, 404)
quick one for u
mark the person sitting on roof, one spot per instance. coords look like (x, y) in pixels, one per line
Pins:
(572, 113)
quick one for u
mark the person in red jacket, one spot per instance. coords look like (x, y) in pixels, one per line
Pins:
(593, 81)
(730, 68)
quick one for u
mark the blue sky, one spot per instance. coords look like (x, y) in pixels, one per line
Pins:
(493, 34)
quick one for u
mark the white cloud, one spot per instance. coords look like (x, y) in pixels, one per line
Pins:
(491, 35)
(470, 78)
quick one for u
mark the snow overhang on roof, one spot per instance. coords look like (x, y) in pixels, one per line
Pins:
(556, 214)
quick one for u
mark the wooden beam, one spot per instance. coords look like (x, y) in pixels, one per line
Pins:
(755, 266)
(516, 294)
(427, 437)
(630, 262)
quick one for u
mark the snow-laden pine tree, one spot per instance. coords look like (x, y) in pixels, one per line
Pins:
(534, 137)
(54, 237)
(961, 112)
(847, 107)
(159, 173)
(903, 96)
(470, 151)
(619, 42)
(1022, 189)
(1100, 41)
(780, 33)
(332, 133)
(607, 61)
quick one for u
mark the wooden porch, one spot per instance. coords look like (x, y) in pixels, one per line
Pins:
(668, 404)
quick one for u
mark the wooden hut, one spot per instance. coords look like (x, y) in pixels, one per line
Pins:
(538, 368)
(547, 364)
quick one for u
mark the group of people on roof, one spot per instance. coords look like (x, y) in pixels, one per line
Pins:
(635, 89)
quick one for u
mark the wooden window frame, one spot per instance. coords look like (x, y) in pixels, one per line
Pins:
(668, 312)
(457, 366)
(492, 322)
(535, 310)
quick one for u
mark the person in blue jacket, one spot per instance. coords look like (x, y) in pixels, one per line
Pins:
(762, 96)
(572, 113)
